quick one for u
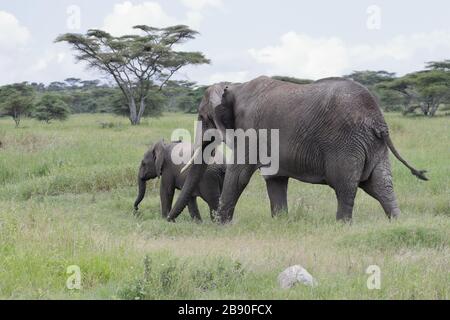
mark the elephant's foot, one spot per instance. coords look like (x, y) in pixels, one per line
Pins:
(197, 220)
(345, 194)
(344, 219)
(279, 212)
(172, 220)
(345, 210)
(225, 216)
(224, 221)
(394, 214)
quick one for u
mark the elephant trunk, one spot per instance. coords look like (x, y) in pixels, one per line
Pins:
(192, 180)
(142, 188)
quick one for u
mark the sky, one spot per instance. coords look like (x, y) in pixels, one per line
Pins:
(243, 38)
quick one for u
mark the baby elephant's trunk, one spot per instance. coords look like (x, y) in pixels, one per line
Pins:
(142, 187)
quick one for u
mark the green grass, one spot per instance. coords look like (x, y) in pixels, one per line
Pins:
(66, 195)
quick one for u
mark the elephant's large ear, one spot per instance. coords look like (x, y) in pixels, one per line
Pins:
(224, 113)
(159, 157)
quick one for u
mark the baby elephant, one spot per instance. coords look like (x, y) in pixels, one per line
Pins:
(157, 163)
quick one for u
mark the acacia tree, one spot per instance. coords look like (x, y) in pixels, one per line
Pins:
(424, 90)
(439, 65)
(370, 78)
(433, 87)
(137, 63)
(16, 100)
(405, 87)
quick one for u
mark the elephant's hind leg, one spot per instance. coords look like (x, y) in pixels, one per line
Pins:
(277, 191)
(345, 194)
(380, 186)
(343, 175)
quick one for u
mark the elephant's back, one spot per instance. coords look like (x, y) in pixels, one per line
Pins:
(332, 102)
(332, 115)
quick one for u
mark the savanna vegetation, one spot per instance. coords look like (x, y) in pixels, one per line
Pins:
(422, 93)
(66, 198)
(68, 167)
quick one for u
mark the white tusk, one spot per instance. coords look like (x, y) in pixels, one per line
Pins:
(188, 165)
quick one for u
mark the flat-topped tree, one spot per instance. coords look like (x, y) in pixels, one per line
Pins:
(439, 65)
(428, 89)
(137, 63)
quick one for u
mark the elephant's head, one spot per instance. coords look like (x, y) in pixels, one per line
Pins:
(215, 112)
(216, 109)
(150, 168)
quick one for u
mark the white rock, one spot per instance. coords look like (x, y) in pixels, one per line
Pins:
(295, 274)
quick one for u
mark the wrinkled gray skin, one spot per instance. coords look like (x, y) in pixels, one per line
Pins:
(157, 163)
(332, 132)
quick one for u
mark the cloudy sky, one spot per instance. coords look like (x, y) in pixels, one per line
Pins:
(244, 39)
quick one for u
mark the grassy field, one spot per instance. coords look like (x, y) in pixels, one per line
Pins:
(66, 195)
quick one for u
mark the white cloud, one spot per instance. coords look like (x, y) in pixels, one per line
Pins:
(404, 47)
(15, 35)
(238, 76)
(19, 63)
(50, 58)
(13, 46)
(195, 14)
(200, 4)
(303, 56)
(126, 15)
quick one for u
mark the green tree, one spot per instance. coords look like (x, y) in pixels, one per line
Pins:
(439, 65)
(137, 63)
(433, 87)
(292, 79)
(117, 104)
(57, 86)
(73, 82)
(51, 107)
(16, 100)
(405, 87)
(424, 90)
(390, 100)
(370, 78)
(183, 96)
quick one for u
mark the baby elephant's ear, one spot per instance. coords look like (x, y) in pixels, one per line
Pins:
(159, 157)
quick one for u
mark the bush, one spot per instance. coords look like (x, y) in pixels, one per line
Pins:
(51, 107)
(166, 277)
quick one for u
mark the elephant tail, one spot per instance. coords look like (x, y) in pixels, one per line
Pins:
(418, 173)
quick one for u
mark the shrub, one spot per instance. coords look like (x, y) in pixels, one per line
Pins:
(51, 107)
(166, 277)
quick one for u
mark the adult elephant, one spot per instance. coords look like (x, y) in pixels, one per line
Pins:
(330, 132)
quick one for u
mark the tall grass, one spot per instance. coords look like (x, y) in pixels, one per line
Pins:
(66, 194)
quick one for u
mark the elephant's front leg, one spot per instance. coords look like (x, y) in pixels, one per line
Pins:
(237, 177)
(193, 210)
(166, 193)
(277, 191)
